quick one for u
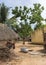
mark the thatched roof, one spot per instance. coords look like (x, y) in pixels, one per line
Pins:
(7, 33)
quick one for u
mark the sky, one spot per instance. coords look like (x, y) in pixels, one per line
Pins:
(28, 3)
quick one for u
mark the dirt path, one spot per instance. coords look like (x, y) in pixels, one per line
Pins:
(26, 62)
(26, 58)
(37, 60)
(31, 59)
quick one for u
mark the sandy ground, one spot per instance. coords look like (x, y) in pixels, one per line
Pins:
(25, 58)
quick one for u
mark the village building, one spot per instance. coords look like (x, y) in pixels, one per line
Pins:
(39, 36)
(6, 33)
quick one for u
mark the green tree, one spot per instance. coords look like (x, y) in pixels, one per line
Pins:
(24, 30)
(3, 13)
(33, 15)
(21, 13)
(11, 22)
(36, 16)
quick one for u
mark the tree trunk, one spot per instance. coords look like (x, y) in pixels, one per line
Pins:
(23, 42)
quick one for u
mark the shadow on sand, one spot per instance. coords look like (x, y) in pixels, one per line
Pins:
(42, 51)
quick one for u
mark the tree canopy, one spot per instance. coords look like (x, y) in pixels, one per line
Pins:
(24, 30)
(30, 15)
(36, 16)
(3, 13)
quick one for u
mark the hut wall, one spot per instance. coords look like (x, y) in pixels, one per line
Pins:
(44, 29)
(37, 36)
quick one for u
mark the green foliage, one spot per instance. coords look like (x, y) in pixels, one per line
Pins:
(3, 12)
(38, 26)
(11, 22)
(24, 30)
(36, 14)
(33, 15)
(21, 12)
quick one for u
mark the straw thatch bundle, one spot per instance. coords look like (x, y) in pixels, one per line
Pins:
(7, 33)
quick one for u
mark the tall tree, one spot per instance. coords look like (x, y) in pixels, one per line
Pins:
(24, 30)
(36, 16)
(33, 15)
(3, 13)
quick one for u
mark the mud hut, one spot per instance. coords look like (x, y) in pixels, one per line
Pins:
(6, 34)
(37, 37)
